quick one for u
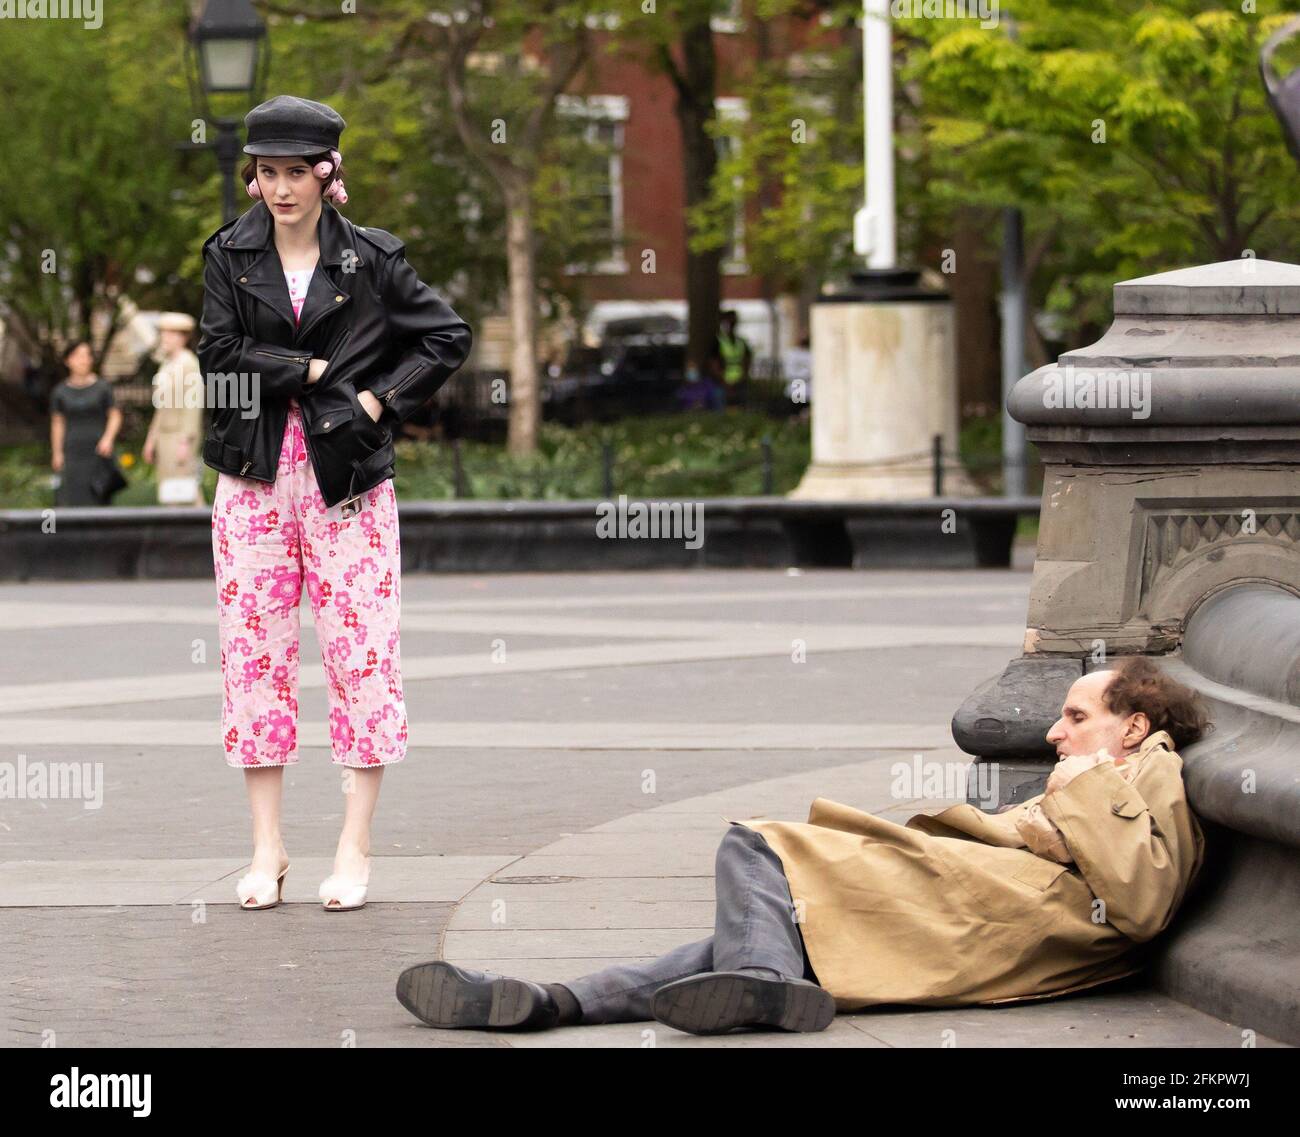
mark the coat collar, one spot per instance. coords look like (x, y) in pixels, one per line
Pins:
(264, 275)
(1160, 738)
(334, 232)
(1150, 744)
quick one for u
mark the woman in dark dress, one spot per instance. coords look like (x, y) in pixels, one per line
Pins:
(83, 424)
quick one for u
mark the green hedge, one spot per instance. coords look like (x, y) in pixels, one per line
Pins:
(678, 455)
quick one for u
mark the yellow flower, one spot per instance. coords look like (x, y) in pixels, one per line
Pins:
(128, 460)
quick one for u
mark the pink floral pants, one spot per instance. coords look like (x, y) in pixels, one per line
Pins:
(267, 541)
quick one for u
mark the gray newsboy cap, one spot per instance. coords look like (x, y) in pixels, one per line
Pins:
(287, 125)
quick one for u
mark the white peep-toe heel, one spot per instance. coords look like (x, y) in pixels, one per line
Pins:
(343, 893)
(259, 890)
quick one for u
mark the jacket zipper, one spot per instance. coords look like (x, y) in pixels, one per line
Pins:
(388, 395)
(288, 358)
(249, 463)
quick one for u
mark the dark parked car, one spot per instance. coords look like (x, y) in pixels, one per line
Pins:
(638, 369)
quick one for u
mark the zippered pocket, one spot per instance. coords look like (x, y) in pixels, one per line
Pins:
(402, 382)
(285, 358)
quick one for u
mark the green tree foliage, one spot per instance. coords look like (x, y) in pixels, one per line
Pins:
(802, 138)
(1135, 136)
(797, 167)
(92, 187)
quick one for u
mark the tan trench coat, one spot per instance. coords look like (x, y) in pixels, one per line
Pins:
(175, 423)
(952, 909)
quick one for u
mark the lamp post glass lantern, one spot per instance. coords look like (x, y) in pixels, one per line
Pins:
(229, 37)
(228, 65)
(231, 55)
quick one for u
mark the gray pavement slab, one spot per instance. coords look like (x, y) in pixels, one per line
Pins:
(136, 881)
(558, 809)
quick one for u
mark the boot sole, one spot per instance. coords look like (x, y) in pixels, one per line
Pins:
(441, 995)
(718, 1002)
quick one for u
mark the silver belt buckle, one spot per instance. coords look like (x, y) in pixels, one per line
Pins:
(351, 507)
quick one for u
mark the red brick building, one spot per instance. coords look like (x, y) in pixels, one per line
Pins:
(627, 105)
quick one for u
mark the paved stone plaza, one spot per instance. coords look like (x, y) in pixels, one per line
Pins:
(575, 741)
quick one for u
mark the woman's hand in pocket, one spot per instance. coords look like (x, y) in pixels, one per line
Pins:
(315, 369)
(368, 399)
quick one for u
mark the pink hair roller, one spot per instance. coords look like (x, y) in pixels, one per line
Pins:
(334, 191)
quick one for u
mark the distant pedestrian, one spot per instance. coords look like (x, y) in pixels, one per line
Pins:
(175, 434)
(732, 360)
(84, 422)
(699, 392)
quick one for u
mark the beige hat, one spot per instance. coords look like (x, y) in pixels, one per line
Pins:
(175, 322)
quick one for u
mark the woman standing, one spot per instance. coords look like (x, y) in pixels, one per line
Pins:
(84, 421)
(317, 337)
(172, 444)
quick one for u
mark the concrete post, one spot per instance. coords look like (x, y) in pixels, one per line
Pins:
(884, 384)
(1171, 453)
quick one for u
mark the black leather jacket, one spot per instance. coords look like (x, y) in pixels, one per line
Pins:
(366, 311)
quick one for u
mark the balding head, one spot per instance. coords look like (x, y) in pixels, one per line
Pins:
(1117, 708)
(1087, 725)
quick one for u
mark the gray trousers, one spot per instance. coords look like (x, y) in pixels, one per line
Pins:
(754, 926)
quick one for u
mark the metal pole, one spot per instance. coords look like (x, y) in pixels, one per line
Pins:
(1014, 316)
(228, 154)
(1013, 348)
(938, 465)
(873, 225)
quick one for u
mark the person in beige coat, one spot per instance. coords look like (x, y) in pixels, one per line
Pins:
(951, 909)
(172, 443)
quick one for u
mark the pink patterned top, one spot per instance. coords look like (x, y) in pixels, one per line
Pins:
(298, 282)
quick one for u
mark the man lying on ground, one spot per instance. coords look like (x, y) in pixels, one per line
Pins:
(849, 910)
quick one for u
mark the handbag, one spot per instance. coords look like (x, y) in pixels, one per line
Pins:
(180, 490)
(108, 479)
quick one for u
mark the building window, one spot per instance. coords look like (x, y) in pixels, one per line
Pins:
(597, 177)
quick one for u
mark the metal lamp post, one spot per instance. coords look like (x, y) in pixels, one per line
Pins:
(229, 49)
(884, 342)
(873, 225)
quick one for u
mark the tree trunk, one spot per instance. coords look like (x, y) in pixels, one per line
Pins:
(525, 394)
(695, 108)
(974, 289)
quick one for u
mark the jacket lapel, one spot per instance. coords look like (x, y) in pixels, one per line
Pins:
(263, 276)
(329, 289)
